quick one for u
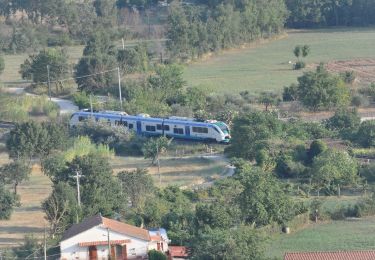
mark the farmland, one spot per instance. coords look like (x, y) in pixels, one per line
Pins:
(353, 234)
(265, 66)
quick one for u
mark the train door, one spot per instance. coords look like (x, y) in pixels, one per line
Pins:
(139, 127)
(187, 130)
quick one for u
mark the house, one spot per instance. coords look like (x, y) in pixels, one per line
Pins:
(341, 255)
(92, 238)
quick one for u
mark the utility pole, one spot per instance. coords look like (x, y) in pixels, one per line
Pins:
(91, 103)
(123, 43)
(49, 83)
(109, 245)
(77, 177)
(119, 86)
(157, 154)
(45, 242)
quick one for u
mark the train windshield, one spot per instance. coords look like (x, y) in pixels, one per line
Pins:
(223, 127)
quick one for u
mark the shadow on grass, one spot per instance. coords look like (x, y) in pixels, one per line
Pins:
(15, 229)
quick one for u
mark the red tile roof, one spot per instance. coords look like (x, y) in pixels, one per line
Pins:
(344, 255)
(111, 224)
(178, 251)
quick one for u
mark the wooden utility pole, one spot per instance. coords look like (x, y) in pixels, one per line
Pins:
(49, 83)
(77, 177)
(45, 242)
(119, 86)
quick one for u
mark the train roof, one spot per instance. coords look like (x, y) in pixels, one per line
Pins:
(146, 117)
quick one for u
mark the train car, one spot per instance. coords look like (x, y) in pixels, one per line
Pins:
(143, 124)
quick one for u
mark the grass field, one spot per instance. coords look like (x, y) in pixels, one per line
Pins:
(265, 65)
(356, 234)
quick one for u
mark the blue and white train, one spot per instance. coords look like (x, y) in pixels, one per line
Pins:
(176, 127)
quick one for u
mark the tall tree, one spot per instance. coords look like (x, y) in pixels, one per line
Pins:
(14, 173)
(8, 201)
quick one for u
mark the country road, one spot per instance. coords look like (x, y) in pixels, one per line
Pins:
(66, 106)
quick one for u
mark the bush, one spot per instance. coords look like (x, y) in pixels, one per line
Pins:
(368, 172)
(360, 100)
(156, 255)
(299, 65)
(2, 64)
(348, 77)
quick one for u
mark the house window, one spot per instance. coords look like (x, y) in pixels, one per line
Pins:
(201, 130)
(131, 126)
(179, 131)
(150, 128)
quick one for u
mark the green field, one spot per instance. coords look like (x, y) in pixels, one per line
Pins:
(265, 66)
(356, 234)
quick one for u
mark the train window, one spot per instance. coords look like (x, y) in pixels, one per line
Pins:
(131, 126)
(158, 127)
(109, 121)
(179, 131)
(166, 127)
(81, 118)
(150, 128)
(124, 123)
(203, 130)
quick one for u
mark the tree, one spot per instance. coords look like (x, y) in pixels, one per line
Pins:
(215, 215)
(366, 134)
(250, 131)
(154, 147)
(100, 191)
(305, 50)
(321, 90)
(99, 56)
(7, 202)
(35, 67)
(61, 208)
(136, 185)
(242, 242)
(28, 140)
(262, 200)
(297, 51)
(133, 59)
(268, 99)
(345, 121)
(2, 64)
(316, 147)
(14, 173)
(332, 168)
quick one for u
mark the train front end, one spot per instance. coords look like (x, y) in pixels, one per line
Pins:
(224, 131)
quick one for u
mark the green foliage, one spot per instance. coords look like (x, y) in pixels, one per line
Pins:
(348, 77)
(215, 215)
(2, 64)
(321, 90)
(316, 147)
(262, 200)
(35, 67)
(14, 173)
(154, 147)
(133, 59)
(299, 65)
(268, 99)
(28, 140)
(242, 242)
(61, 208)
(137, 186)
(290, 93)
(332, 168)
(8, 201)
(29, 247)
(345, 121)
(156, 255)
(250, 131)
(98, 56)
(297, 51)
(366, 134)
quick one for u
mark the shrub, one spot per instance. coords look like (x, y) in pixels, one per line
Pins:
(156, 255)
(299, 65)
(359, 100)
(348, 77)
(368, 172)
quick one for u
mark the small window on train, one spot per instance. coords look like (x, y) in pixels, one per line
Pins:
(203, 130)
(166, 127)
(179, 131)
(81, 118)
(150, 128)
(130, 126)
(158, 127)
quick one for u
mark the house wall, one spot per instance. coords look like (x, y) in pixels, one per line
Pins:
(71, 250)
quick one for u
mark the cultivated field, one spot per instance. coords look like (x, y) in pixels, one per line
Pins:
(265, 66)
(354, 234)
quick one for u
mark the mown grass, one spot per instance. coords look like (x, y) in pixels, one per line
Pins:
(265, 66)
(355, 234)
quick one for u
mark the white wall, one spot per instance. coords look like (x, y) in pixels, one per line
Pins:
(71, 250)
